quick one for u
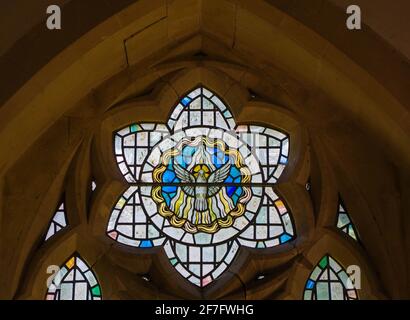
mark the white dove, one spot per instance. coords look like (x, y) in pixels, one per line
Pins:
(202, 191)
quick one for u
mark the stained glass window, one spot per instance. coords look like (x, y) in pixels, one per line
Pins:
(74, 281)
(272, 226)
(58, 222)
(344, 222)
(201, 186)
(271, 148)
(129, 223)
(329, 281)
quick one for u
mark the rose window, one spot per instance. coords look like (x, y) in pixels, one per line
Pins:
(201, 186)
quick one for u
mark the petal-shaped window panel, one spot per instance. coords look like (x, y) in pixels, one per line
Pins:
(132, 146)
(272, 225)
(129, 223)
(201, 108)
(270, 146)
(201, 264)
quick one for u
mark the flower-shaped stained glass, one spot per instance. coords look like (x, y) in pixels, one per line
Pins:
(201, 186)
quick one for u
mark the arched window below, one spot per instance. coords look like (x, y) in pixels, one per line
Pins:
(74, 281)
(329, 281)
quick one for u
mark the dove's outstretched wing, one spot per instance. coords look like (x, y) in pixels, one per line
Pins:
(186, 177)
(218, 176)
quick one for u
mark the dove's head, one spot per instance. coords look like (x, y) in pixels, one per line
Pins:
(201, 170)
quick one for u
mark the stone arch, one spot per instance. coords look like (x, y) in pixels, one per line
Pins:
(312, 86)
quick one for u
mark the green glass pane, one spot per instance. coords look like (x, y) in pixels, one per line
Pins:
(96, 291)
(173, 261)
(323, 262)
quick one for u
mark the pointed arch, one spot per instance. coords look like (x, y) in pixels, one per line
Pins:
(74, 281)
(329, 281)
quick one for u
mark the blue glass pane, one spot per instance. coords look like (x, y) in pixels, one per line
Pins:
(310, 284)
(185, 101)
(146, 244)
(134, 128)
(235, 172)
(239, 191)
(230, 191)
(283, 160)
(167, 198)
(169, 189)
(168, 176)
(284, 238)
